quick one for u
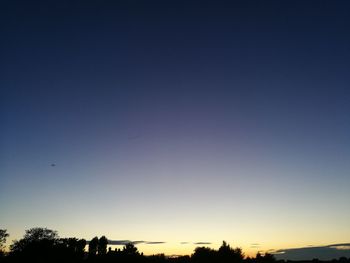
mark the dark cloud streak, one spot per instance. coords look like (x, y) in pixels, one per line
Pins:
(328, 252)
(136, 242)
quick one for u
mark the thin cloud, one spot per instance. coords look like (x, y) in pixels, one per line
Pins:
(341, 246)
(202, 243)
(136, 242)
(119, 242)
(255, 245)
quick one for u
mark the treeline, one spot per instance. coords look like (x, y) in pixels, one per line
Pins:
(44, 245)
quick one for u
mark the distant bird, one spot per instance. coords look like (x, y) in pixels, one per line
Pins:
(53, 165)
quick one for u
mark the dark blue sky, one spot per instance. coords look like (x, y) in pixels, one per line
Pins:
(205, 99)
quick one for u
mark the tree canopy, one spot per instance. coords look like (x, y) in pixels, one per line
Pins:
(3, 236)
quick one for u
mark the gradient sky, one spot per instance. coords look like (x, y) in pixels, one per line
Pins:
(177, 122)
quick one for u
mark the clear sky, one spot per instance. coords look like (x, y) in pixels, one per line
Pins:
(177, 121)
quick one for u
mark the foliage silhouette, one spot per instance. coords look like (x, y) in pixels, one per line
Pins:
(102, 245)
(228, 254)
(44, 245)
(72, 248)
(203, 254)
(130, 250)
(38, 244)
(223, 255)
(93, 246)
(34, 238)
(259, 258)
(3, 236)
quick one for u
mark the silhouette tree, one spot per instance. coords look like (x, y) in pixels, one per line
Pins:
(72, 248)
(38, 244)
(39, 233)
(102, 245)
(80, 247)
(228, 254)
(43, 245)
(35, 237)
(3, 236)
(204, 254)
(130, 250)
(179, 259)
(93, 246)
(267, 258)
(158, 258)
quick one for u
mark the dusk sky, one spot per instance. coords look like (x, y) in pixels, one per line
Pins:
(177, 122)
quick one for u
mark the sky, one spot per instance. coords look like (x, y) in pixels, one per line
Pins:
(180, 122)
